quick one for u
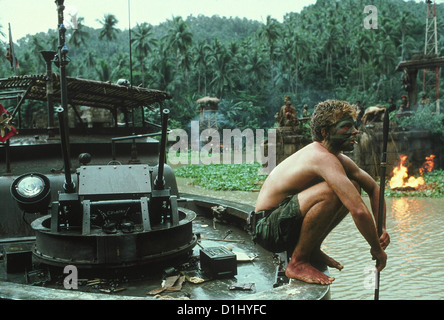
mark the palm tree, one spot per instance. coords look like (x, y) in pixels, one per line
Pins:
(405, 22)
(79, 35)
(88, 63)
(218, 63)
(178, 38)
(222, 73)
(385, 56)
(36, 46)
(270, 32)
(52, 41)
(294, 51)
(201, 54)
(185, 63)
(330, 48)
(120, 65)
(109, 30)
(287, 57)
(163, 69)
(256, 68)
(361, 51)
(144, 43)
(103, 70)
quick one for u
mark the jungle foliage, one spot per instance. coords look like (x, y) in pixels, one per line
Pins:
(248, 178)
(220, 176)
(321, 53)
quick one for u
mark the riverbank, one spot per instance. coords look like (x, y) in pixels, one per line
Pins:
(248, 177)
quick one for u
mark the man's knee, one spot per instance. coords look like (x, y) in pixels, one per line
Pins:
(333, 197)
(322, 193)
(329, 195)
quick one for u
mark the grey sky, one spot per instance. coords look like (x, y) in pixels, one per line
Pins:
(32, 16)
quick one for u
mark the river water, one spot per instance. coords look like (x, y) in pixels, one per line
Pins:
(415, 264)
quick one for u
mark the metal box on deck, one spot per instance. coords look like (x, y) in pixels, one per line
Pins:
(218, 262)
(18, 257)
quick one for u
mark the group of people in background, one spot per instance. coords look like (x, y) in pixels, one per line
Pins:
(376, 113)
(288, 115)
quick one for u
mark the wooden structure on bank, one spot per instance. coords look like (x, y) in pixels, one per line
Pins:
(428, 60)
(208, 107)
(410, 72)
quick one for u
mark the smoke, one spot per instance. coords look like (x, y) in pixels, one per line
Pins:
(70, 17)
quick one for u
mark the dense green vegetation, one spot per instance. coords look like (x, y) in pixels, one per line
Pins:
(240, 177)
(247, 178)
(424, 118)
(323, 52)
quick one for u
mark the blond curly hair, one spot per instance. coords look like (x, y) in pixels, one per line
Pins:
(328, 113)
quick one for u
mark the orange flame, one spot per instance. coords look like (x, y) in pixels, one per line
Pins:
(428, 164)
(401, 179)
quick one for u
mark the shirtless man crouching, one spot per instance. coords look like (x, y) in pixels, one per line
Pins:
(311, 191)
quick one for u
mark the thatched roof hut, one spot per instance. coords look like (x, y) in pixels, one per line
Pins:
(208, 103)
(208, 100)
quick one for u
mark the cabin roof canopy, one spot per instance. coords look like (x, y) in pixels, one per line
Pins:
(83, 92)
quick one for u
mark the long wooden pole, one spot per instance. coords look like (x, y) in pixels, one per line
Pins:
(383, 166)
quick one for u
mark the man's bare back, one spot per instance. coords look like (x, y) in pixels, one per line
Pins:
(295, 174)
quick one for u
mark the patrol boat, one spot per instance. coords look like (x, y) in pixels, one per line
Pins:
(103, 229)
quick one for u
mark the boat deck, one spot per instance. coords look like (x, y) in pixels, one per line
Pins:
(257, 272)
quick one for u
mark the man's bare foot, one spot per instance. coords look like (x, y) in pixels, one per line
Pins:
(304, 271)
(321, 257)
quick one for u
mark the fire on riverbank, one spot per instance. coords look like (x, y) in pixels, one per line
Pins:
(402, 181)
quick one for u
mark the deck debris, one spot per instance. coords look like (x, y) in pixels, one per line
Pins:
(218, 212)
(101, 285)
(195, 276)
(196, 280)
(161, 297)
(170, 284)
(241, 256)
(37, 277)
(226, 240)
(111, 290)
(243, 286)
(177, 286)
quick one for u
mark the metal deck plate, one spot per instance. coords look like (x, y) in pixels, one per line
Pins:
(109, 180)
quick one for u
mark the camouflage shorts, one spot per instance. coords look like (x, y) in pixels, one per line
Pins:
(278, 230)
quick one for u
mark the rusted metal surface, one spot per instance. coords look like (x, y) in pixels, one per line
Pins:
(118, 250)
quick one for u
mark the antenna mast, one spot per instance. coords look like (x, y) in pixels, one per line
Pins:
(130, 53)
(431, 76)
